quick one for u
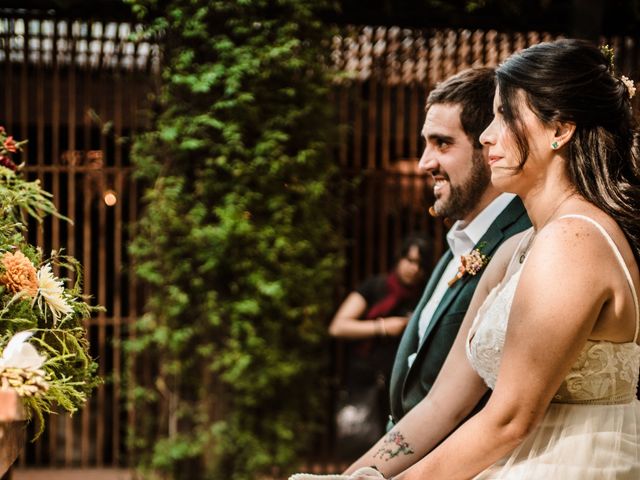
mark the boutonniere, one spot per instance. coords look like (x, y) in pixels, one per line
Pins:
(471, 264)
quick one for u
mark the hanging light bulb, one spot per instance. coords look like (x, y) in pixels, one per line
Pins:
(110, 197)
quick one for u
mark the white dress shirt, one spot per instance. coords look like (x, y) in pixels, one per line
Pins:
(461, 239)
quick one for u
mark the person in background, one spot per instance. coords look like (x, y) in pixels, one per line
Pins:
(373, 317)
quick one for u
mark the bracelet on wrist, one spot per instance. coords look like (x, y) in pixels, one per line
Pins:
(382, 331)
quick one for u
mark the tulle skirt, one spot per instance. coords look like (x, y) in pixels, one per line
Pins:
(577, 442)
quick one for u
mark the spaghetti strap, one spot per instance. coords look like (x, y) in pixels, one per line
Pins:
(625, 269)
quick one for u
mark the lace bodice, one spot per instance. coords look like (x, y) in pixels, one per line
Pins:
(604, 373)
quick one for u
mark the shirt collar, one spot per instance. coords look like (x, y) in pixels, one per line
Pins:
(463, 237)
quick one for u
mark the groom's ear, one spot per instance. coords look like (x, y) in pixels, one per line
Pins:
(563, 133)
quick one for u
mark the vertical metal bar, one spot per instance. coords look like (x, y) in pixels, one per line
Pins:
(72, 158)
(399, 116)
(8, 76)
(383, 220)
(343, 112)
(24, 89)
(372, 123)
(102, 279)
(71, 199)
(40, 134)
(86, 238)
(372, 178)
(369, 236)
(24, 109)
(414, 126)
(117, 319)
(117, 260)
(356, 90)
(132, 315)
(48, 115)
(132, 98)
(385, 179)
(55, 138)
(385, 134)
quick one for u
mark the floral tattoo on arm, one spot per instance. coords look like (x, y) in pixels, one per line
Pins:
(394, 444)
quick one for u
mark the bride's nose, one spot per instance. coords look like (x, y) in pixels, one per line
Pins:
(488, 137)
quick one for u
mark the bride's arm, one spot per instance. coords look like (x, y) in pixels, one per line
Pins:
(556, 304)
(454, 394)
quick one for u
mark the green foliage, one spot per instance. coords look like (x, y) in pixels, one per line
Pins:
(238, 242)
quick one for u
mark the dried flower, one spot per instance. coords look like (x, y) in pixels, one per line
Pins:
(10, 144)
(629, 84)
(471, 264)
(8, 163)
(608, 52)
(19, 273)
(51, 290)
(25, 381)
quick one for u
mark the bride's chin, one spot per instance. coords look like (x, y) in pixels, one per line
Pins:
(503, 182)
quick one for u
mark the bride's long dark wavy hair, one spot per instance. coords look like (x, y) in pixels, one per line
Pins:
(572, 81)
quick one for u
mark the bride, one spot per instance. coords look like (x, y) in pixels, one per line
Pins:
(557, 338)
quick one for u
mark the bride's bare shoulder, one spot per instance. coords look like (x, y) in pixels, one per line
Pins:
(575, 245)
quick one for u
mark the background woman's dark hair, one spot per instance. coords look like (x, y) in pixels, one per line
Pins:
(423, 249)
(571, 80)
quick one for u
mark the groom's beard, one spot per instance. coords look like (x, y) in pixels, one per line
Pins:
(464, 197)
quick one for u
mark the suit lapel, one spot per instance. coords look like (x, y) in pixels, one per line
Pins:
(488, 244)
(409, 342)
(512, 214)
(450, 294)
(435, 277)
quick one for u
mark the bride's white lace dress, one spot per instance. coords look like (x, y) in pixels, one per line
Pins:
(591, 430)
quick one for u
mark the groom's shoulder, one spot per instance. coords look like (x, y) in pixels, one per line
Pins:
(513, 218)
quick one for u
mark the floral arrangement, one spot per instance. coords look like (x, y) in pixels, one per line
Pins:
(470, 264)
(43, 343)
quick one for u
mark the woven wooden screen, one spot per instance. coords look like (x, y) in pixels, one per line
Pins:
(76, 88)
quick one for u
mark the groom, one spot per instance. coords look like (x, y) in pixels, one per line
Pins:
(458, 110)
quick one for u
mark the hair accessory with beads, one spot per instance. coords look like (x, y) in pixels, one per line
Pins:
(631, 88)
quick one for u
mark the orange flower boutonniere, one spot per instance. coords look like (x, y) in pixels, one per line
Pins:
(471, 264)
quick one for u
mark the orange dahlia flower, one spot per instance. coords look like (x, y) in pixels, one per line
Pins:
(19, 273)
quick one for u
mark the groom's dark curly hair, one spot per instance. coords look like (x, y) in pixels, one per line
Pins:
(473, 90)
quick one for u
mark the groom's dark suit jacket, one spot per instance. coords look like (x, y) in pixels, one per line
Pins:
(410, 385)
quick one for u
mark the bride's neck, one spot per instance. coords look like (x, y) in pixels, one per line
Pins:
(547, 201)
